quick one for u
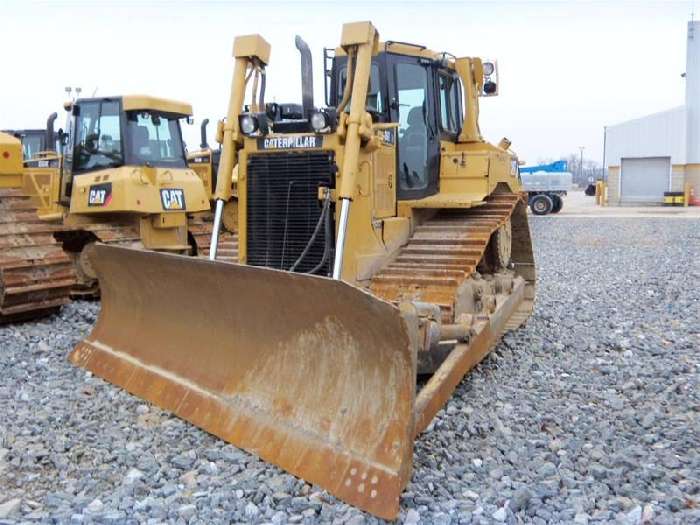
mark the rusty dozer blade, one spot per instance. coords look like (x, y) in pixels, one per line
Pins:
(313, 375)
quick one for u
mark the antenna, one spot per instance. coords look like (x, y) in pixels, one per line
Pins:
(94, 92)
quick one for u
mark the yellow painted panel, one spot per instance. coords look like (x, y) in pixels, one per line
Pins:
(146, 102)
(252, 46)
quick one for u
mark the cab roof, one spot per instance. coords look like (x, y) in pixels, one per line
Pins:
(7, 138)
(406, 48)
(143, 103)
(146, 102)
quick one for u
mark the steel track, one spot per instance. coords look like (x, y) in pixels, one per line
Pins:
(36, 276)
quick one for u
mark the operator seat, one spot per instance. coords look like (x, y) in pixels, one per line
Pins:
(140, 143)
(413, 149)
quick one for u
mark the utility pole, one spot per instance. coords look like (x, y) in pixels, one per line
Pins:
(605, 145)
(580, 165)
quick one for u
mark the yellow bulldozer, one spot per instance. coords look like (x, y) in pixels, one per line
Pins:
(205, 160)
(121, 178)
(381, 238)
(205, 163)
(125, 181)
(36, 277)
(36, 142)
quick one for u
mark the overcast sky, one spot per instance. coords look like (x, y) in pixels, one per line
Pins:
(566, 68)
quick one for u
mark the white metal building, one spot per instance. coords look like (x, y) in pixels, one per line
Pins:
(648, 156)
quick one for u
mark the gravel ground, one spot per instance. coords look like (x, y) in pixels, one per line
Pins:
(588, 414)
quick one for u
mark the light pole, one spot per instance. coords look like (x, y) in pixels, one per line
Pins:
(605, 145)
(580, 164)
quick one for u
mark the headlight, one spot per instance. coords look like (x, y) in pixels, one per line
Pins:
(319, 121)
(248, 124)
(488, 68)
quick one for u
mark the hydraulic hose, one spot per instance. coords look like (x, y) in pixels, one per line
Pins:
(328, 242)
(312, 239)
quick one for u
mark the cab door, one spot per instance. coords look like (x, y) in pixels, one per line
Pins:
(412, 105)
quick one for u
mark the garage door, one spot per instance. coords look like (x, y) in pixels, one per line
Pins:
(644, 180)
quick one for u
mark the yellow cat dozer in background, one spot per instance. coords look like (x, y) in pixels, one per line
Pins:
(36, 276)
(380, 238)
(125, 181)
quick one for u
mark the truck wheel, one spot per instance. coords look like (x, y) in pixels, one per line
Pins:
(557, 203)
(541, 205)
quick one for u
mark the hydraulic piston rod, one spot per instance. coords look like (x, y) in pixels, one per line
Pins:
(216, 229)
(340, 243)
(246, 50)
(359, 39)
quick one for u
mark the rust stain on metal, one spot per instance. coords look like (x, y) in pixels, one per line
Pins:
(35, 275)
(442, 253)
(313, 375)
(228, 242)
(327, 397)
(464, 357)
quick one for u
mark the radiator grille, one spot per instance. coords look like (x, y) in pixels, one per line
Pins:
(283, 209)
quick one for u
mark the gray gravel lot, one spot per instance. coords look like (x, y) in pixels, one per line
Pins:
(588, 414)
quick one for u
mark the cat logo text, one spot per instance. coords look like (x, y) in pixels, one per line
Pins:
(172, 199)
(100, 194)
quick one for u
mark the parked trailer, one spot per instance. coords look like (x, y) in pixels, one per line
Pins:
(546, 185)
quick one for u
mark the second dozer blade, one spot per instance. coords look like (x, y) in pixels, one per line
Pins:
(313, 375)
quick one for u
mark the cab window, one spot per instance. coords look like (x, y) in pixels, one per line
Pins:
(31, 145)
(450, 103)
(98, 131)
(413, 107)
(375, 102)
(154, 139)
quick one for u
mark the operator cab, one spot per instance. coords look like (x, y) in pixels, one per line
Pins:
(33, 141)
(109, 135)
(124, 131)
(424, 96)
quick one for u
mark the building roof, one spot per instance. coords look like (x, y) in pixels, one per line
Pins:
(661, 134)
(654, 115)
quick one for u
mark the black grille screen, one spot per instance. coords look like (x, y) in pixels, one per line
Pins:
(283, 209)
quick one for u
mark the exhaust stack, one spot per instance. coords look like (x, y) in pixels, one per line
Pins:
(307, 79)
(50, 136)
(203, 134)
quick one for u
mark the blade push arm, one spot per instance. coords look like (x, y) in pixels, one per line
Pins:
(360, 40)
(471, 71)
(249, 51)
